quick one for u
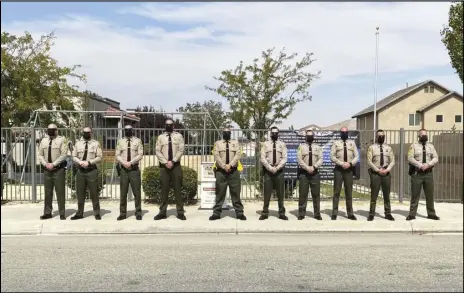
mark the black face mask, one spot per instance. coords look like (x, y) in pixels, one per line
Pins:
(310, 138)
(128, 132)
(86, 135)
(274, 136)
(169, 127)
(226, 135)
(381, 139)
(344, 135)
(423, 138)
(51, 132)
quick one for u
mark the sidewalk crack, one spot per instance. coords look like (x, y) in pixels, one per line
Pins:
(41, 229)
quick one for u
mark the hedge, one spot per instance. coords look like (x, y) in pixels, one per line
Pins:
(151, 184)
(71, 181)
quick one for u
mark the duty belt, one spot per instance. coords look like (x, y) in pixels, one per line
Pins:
(88, 169)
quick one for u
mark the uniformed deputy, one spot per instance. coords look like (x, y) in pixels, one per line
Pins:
(86, 154)
(53, 151)
(169, 149)
(344, 154)
(380, 160)
(129, 151)
(227, 154)
(422, 156)
(309, 156)
(273, 159)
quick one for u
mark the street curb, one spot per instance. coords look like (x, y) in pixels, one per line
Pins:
(166, 232)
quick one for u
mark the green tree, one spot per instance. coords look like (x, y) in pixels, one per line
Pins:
(151, 124)
(266, 91)
(31, 79)
(195, 123)
(217, 118)
(452, 37)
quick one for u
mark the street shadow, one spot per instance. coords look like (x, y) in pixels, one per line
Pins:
(230, 213)
(171, 212)
(328, 212)
(365, 214)
(406, 213)
(90, 213)
(67, 213)
(272, 213)
(308, 213)
(131, 213)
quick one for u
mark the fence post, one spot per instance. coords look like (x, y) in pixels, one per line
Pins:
(33, 165)
(204, 155)
(401, 166)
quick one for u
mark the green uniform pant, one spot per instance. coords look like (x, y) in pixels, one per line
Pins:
(271, 182)
(380, 181)
(345, 177)
(55, 179)
(87, 180)
(173, 176)
(421, 180)
(130, 178)
(308, 181)
(231, 180)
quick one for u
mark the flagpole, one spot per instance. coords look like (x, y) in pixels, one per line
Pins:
(376, 76)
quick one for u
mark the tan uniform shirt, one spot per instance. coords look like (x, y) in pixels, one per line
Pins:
(162, 147)
(415, 154)
(94, 151)
(267, 152)
(220, 153)
(336, 152)
(136, 150)
(59, 150)
(373, 157)
(302, 155)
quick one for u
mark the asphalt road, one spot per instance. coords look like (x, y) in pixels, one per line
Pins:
(271, 263)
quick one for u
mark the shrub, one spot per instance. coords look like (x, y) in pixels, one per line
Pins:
(71, 181)
(151, 184)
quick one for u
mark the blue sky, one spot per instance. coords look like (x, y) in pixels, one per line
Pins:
(164, 54)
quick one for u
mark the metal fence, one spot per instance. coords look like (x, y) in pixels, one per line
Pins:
(23, 178)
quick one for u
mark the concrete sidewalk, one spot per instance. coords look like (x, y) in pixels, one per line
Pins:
(23, 219)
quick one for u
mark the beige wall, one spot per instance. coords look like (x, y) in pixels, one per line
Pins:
(448, 109)
(365, 122)
(396, 116)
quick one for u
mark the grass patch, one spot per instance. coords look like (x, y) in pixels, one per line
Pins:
(327, 189)
(108, 165)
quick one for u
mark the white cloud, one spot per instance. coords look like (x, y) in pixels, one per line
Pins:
(161, 67)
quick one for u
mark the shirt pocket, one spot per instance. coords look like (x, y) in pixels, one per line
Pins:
(80, 150)
(93, 150)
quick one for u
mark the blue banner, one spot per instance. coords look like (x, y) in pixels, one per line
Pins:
(324, 139)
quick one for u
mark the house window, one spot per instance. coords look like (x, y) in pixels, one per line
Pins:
(439, 118)
(426, 89)
(365, 122)
(458, 119)
(414, 119)
(432, 89)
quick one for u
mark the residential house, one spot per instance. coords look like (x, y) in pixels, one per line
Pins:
(350, 124)
(424, 105)
(309, 127)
